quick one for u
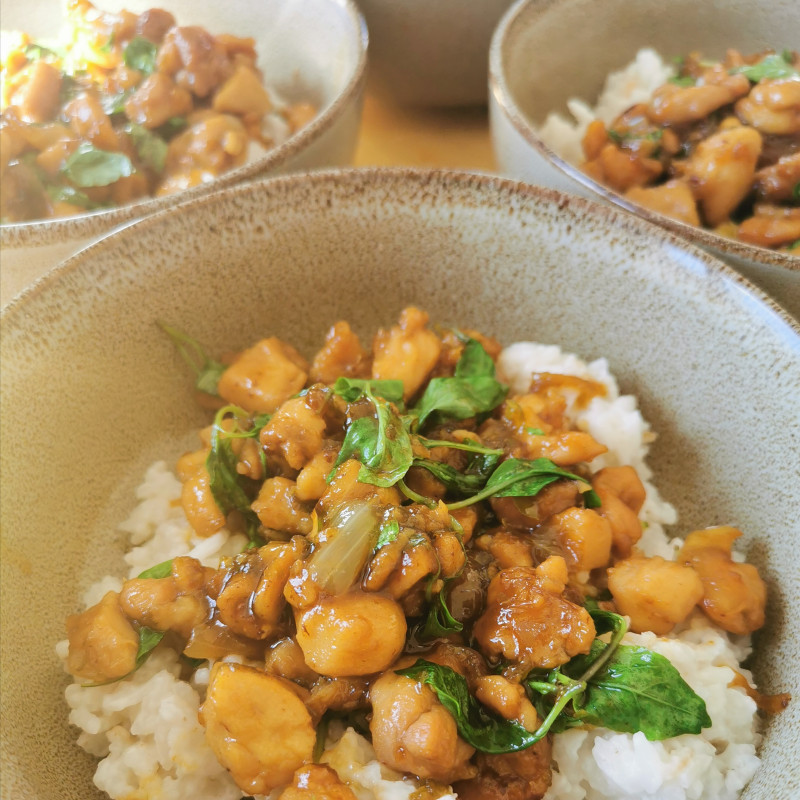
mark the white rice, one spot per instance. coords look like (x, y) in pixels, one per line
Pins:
(635, 83)
(146, 731)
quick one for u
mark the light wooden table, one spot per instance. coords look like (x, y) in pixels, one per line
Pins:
(448, 138)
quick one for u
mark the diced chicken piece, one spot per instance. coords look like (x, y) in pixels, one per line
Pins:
(87, 118)
(299, 114)
(198, 61)
(345, 486)
(242, 94)
(528, 622)
(508, 548)
(295, 432)
(622, 169)
(508, 699)
(530, 512)
(777, 182)
(566, 449)
(279, 509)
(525, 775)
(154, 23)
(156, 100)
(285, 659)
(353, 634)
(584, 536)
(417, 563)
(102, 642)
(675, 105)
(257, 726)
(626, 528)
(656, 594)
(312, 481)
(38, 98)
(771, 226)
(734, 595)
(199, 505)
(341, 356)
(673, 199)
(722, 169)
(408, 352)
(338, 694)
(413, 732)
(175, 603)
(264, 376)
(623, 482)
(316, 782)
(773, 106)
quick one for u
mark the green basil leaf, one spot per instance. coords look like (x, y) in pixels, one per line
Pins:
(88, 166)
(148, 640)
(382, 445)
(172, 126)
(683, 80)
(36, 52)
(479, 727)
(388, 533)
(440, 622)
(115, 103)
(152, 149)
(771, 67)
(638, 690)
(69, 194)
(207, 371)
(796, 192)
(162, 570)
(517, 477)
(140, 54)
(473, 390)
(453, 479)
(351, 389)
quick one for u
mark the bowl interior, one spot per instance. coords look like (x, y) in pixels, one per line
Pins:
(93, 391)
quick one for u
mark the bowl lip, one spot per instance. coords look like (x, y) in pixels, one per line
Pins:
(40, 233)
(361, 179)
(504, 98)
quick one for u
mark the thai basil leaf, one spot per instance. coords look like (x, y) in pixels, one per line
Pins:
(351, 389)
(638, 690)
(69, 194)
(453, 479)
(207, 370)
(148, 640)
(162, 570)
(467, 445)
(89, 166)
(35, 52)
(473, 390)
(683, 80)
(485, 731)
(152, 149)
(382, 445)
(440, 622)
(140, 54)
(388, 533)
(796, 192)
(771, 67)
(172, 126)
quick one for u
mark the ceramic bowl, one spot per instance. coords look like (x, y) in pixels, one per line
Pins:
(314, 50)
(93, 391)
(431, 52)
(547, 51)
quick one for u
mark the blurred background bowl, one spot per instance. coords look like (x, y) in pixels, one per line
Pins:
(431, 52)
(312, 51)
(93, 391)
(547, 51)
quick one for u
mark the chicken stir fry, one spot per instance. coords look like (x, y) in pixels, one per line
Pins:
(129, 107)
(718, 146)
(432, 559)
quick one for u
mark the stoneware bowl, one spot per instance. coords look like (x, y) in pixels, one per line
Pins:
(547, 51)
(93, 391)
(431, 52)
(313, 50)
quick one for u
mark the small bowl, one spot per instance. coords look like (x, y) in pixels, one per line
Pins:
(93, 391)
(547, 51)
(431, 52)
(314, 50)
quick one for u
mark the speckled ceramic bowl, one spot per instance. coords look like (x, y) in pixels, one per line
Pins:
(547, 51)
(431, 52)
(313, 50)
(93, 391)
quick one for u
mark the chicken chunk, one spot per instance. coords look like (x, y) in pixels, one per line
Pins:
(295, 433)
(316, 782)
(672, 199)
(656, 594)
(37, 100)
(264, 376)
(157, 99)
(413, 732)
(257, 726)
(734, 595)
(527, 621)
(341, 356)
(585, 537)
(408, 352)
(197, 60)
(242, 94)
(279, 508)
(353, 634)
(102, 642)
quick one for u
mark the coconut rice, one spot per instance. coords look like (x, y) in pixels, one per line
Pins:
(145, 728)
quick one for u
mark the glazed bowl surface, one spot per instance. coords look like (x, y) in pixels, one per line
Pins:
(545, 52)
(314, 51)
(431, 52)
(93, 391)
